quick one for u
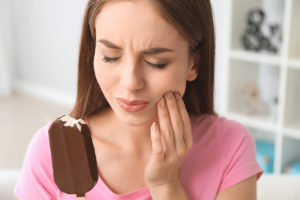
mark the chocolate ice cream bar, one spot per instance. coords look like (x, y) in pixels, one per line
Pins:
(73, 156)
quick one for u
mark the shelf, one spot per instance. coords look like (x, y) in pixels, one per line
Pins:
(253, 90)
(290, 153)
(293, 63)
(255, 57)
(254, 122)
(262, 88)
(265, 149)
(292, 132)
(292, 102)
(265, 135)
(294, 50)
(239, 22)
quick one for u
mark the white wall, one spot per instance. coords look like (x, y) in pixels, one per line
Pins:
(46, 42)
(5, 47)
(219, 12)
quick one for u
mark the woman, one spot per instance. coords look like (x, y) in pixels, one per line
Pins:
(145, 89)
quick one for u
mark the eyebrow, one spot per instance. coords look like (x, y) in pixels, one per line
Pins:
(155, 50)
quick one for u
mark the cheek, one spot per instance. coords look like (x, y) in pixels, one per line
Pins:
(97, 73)
(171, 81)
(180, 78)
(179, 85)
(103, 76)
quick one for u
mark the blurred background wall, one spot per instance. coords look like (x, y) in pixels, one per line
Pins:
(6, 49)
(41, 41)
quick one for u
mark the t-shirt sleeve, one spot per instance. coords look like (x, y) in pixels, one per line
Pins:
(36, 180)
(240, 155)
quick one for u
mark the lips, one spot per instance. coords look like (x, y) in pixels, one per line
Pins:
(132, 106)
(135, 102)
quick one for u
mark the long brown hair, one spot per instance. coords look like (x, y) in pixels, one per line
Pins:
(192, 18)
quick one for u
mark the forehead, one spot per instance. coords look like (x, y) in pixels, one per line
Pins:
(136, 21)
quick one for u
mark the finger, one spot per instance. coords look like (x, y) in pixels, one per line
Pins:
(165, 127)
(187, 130)
(176, 123)
(157, 146)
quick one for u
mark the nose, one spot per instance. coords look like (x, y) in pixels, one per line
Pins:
(132, 77)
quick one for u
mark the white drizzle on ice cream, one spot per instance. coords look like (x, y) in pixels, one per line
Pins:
(70, 121)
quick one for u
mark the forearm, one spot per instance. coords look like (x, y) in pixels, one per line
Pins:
(173, 191)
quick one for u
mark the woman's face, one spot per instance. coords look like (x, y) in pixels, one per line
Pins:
(129, 62)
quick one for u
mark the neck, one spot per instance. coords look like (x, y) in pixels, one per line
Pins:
(130, 137)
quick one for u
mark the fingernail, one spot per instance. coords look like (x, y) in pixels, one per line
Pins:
(162, 102)
(153, 127)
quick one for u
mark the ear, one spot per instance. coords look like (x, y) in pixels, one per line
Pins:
(192, 71)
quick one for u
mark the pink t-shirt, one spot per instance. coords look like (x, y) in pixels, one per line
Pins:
(223, 154)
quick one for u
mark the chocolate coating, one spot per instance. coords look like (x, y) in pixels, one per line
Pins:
(73, 157)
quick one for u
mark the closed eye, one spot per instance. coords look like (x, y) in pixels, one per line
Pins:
(110, 60)
(160, 66)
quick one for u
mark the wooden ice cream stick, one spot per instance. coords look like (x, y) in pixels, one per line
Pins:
(80, 197)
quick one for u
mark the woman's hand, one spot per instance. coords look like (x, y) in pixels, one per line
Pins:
(170, 141)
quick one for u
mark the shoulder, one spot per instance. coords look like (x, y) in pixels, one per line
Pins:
(224, 129)
(234, 135)
(229, 136)
(230, 144)
(38, 148)
(36, 179)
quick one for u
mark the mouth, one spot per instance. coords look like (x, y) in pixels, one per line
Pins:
(132, 102)
(132, 106)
